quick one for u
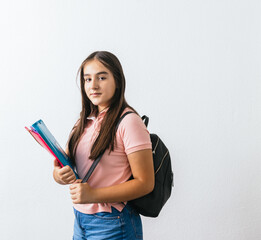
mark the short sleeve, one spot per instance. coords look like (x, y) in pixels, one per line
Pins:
(134, 134)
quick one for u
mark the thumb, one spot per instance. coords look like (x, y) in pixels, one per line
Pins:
(78, 181)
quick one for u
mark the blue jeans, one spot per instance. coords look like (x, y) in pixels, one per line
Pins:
(124, 225)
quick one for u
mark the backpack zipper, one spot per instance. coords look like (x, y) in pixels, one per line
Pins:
(154, 150)
(162, 162)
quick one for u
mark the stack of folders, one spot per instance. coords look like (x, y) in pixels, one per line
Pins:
(44, 137)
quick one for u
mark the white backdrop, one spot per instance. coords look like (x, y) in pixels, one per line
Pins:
(192, 66)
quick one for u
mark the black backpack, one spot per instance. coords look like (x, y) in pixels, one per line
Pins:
(151, 204)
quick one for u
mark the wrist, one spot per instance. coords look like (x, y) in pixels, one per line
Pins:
(96, 196)
(91, 194)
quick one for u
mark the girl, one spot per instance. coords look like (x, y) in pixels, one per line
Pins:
(100, 206)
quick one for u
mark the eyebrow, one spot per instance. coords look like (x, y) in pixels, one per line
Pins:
(97, 73)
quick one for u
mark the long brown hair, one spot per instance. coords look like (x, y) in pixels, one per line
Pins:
(106, 137)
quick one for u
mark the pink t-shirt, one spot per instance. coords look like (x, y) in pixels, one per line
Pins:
(131, 136)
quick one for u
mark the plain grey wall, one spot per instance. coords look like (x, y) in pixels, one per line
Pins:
(192, 66)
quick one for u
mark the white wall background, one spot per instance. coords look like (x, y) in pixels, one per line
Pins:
(192, 66)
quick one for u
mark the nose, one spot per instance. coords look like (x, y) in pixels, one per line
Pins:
(94, 84)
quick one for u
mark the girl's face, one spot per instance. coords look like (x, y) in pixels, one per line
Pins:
(99, 83)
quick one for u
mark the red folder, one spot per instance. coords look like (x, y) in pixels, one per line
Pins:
(40, 140)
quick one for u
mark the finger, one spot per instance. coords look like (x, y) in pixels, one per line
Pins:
(75, 197)
(70, 179)
(73, 186)
(65, 169)
(67, 174)
(74, 192)
(76, 184)
(76, 201)
(78, 181)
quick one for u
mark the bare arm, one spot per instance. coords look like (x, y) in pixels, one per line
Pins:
(141, 163)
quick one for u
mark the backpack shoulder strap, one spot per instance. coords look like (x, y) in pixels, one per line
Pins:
(145, 120)
(122, 118)
(97, 160)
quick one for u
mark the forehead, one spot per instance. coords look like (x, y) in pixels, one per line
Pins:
(94, 66)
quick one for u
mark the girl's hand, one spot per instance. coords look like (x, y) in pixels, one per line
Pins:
(81, 192)
(63, 175)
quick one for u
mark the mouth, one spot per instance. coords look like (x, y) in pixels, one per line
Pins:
(95, 94)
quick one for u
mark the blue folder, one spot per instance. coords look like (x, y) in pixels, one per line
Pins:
(49, 139)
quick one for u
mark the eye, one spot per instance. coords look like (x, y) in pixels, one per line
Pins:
(87, 79)
(102, 78)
